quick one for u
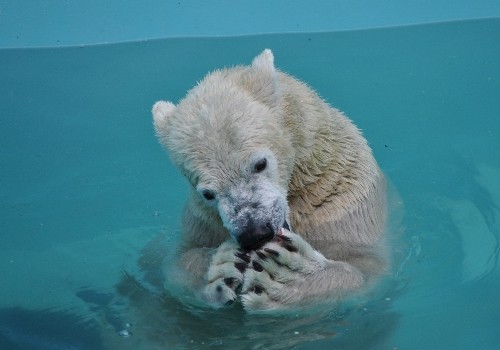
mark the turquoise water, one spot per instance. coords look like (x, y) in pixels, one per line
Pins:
(85, 186)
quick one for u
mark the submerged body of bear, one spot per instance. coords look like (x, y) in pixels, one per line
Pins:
(261, 150)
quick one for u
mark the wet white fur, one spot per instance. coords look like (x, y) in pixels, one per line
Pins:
(322, 172)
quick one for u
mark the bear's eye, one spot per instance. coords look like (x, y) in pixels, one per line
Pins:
(261, 165)
(208, 195)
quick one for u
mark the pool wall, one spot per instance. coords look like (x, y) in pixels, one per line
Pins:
(26, 23)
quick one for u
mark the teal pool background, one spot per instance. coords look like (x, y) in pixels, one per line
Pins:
(85, 185)
(26, 23)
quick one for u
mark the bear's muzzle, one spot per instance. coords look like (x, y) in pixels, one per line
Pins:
(255, 235)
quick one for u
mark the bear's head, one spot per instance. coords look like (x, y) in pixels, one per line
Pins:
(229, 138)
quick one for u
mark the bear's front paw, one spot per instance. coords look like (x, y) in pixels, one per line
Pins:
(289, 250)
(225, 274)
(278, 271)
(261, 291)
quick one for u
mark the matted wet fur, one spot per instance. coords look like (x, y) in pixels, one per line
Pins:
(262, 150)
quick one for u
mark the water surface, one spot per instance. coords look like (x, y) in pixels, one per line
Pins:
(85, 187)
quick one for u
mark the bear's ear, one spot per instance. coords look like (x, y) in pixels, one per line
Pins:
(162, 111)
(264, 79)
(265, 62)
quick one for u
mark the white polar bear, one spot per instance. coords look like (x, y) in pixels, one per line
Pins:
(261, 151)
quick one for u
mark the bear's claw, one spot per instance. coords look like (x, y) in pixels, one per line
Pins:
(261, 255)
(225, 274)
(257, 267)
(272, 252)
(245, 257)
(241, 266)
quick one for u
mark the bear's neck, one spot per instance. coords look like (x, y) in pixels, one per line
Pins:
(331, 154)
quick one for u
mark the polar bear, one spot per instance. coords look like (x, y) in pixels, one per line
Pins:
(287, 203)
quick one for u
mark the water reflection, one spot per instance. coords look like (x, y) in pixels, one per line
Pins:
(162, 321)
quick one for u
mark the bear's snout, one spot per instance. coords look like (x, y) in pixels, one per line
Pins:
(255, 235)
(252, 212)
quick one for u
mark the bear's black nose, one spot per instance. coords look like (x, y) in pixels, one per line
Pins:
(255, 235)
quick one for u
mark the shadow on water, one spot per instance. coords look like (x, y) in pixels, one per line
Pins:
(22, 329)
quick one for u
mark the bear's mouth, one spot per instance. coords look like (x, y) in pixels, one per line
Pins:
(256, 241)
